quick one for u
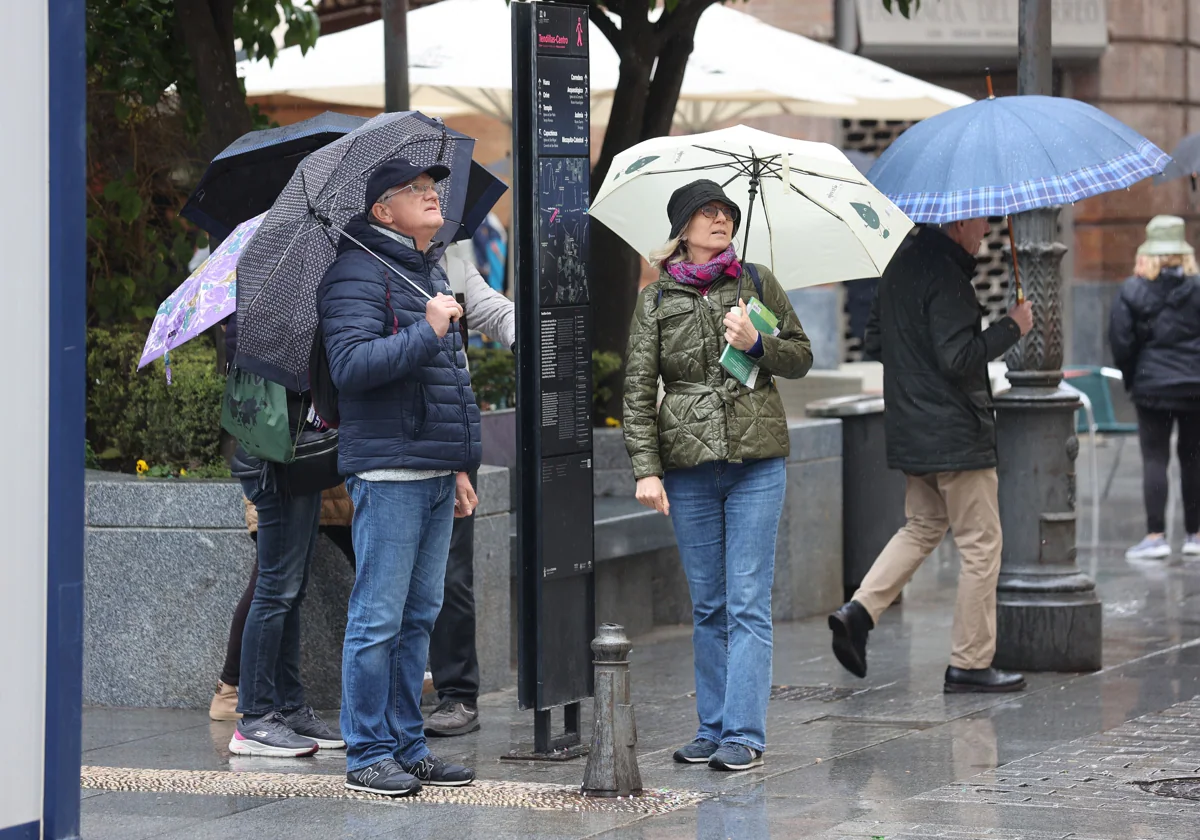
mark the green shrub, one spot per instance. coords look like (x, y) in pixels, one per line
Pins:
(605, 366)
(493, 377)
(135, 415)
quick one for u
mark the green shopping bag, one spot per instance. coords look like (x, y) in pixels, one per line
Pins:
(255, 411)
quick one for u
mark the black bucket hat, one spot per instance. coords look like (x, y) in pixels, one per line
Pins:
(689, 198)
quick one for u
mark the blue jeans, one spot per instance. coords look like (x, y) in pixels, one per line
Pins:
(287, 536)
(401, 537)
(726, 517)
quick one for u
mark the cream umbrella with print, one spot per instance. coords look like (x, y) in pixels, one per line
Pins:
(809, 214)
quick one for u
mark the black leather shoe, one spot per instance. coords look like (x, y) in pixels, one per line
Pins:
(982, 681)
(850, 626)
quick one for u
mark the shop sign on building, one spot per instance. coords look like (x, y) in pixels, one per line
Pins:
(978, 28)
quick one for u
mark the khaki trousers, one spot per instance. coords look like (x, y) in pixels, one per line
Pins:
(967, 504)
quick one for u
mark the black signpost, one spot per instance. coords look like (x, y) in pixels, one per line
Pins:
(556, 588)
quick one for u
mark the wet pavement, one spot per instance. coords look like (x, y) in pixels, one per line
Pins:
(1093, 756)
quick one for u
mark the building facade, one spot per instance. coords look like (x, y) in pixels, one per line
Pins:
(1138, 60)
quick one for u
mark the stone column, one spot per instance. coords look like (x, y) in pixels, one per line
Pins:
(1048, 614)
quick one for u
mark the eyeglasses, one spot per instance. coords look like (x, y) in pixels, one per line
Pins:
(419, 190)
(710, 211)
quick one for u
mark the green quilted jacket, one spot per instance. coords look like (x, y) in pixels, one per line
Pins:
(706, 414)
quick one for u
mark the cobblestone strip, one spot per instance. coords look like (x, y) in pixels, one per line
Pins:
(1100, 772)
(287, 785)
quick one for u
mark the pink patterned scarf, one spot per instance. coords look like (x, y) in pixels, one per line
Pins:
(704, 275)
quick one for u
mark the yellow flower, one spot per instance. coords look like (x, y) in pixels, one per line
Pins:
(141, 467)
(182, 472)
(612, 422)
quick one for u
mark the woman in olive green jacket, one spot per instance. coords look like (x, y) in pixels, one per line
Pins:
(712, 457)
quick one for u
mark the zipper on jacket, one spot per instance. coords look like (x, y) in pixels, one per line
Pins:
(462, 399)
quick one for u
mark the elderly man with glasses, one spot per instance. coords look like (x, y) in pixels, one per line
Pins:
(409, 435)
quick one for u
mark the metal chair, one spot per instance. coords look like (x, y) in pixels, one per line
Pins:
(1099, 417)
(1095, 382)
(1091, 430)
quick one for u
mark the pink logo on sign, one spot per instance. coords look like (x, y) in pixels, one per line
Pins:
(579, 32)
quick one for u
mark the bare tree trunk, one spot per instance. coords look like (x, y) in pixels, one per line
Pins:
(206, 27)
(668, 81)
(614, 266)
(646, 109)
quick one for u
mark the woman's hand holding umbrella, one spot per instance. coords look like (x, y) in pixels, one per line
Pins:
(739, 332)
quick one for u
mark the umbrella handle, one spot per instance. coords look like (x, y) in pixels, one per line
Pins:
(1012, 244)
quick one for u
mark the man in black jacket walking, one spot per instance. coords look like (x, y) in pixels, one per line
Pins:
(941, 432)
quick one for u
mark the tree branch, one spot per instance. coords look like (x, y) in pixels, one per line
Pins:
(222, 15)
(684, 17)
(610, 30)
(206, 28)
(667, 83)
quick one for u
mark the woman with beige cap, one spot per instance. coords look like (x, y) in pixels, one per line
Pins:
(1155, 337)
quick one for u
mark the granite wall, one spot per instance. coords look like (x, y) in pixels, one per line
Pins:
(167, 561)
(645, 586)
(820, 312)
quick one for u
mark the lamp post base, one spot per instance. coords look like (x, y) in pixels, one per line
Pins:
(1048, 616)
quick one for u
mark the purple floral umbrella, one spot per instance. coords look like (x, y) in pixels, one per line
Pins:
(206, 297)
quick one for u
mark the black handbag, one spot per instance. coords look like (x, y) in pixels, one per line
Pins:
(314, 467)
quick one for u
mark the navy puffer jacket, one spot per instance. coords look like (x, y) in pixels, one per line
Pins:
(404, 395)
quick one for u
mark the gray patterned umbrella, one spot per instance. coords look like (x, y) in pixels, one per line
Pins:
(280, 270)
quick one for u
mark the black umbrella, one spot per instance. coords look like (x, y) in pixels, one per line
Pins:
(1185, 161)
(246, 178)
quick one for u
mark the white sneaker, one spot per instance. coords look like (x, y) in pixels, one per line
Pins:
(1191, 546)
(1151, 548)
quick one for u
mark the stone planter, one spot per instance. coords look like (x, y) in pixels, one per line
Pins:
(166, 562)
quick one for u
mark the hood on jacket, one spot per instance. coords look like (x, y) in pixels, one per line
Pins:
(1176, 286)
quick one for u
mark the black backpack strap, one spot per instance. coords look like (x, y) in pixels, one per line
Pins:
(753, 269)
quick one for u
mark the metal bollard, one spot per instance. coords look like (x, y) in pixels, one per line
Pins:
(612, 768)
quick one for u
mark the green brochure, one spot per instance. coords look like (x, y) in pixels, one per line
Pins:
(743, 368)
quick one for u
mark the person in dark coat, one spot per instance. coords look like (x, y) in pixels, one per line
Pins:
(260, 685)
(1155, 336)
(408, 437)
(925, 328)
(860, 294)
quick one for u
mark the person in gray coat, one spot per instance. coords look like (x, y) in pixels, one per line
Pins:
(453, 659)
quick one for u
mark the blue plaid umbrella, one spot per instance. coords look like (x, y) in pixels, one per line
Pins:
(1001, 156)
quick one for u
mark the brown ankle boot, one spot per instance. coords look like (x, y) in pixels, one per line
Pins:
(224, 703)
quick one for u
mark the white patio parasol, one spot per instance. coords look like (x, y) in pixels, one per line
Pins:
(807, 212)
(742, 67)
(460, 57)
(460, 62)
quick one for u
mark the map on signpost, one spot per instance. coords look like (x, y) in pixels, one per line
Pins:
(563, 230)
